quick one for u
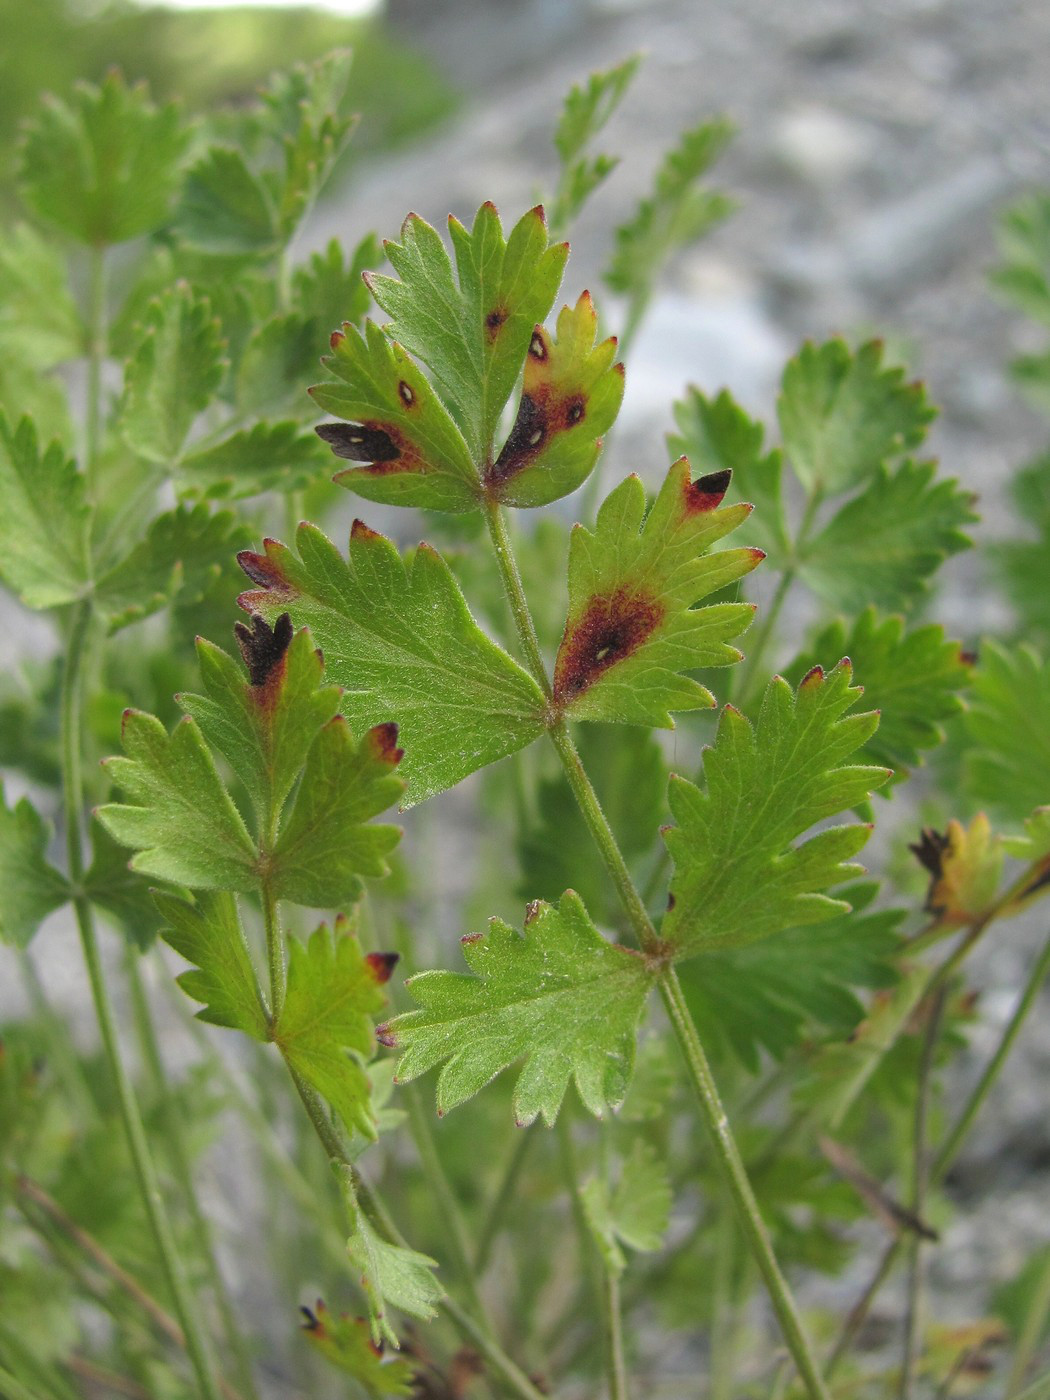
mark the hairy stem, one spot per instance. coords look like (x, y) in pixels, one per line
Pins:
(96, 353)
(699, 1070)
(131, 1117)
(274, 956)
(615, 1365)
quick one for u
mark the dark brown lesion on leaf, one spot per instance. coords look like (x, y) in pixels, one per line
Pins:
(359, 442)
(930, 851)
(607, 631)
(264, 570)
(382, 740)
(264, 648)
(707, 492)
(530, 432)
(382, 965)
(494, 320)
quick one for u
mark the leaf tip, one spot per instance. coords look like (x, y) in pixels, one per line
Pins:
(813, 678)
(382, 739)
(706, 492)
(382, 965)
(387, 1036)
(264, 647)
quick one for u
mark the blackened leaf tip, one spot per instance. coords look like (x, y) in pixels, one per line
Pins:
(263, 647)
(382, 965)
(383, 739)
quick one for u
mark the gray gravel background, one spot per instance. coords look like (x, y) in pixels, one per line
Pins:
(876, 144)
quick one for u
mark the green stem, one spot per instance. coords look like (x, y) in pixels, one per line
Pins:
(174, 1127)
(616, 1367)
(698, 1068)
(274, 956)
(758, 638)
(1038, 1390)
(96, 353)
(145, 1171)
(503, 1197)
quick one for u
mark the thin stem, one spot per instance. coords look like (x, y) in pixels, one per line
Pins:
(503, 1197)
(615, 1365)
(174, 1130)
(920, 1181)
(1038, 1390)
(758, 638)
(699, 1070)
(145, 1171)
(96, 353)
(274, 956)
(736, 1179)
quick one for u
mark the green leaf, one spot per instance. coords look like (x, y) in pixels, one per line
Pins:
(39, 322)
(585, 111)
(842, 415)
(556, 848)
(738, 874)
(266, 457)
(1008, 764)
(571, 394)
(208, 934)
(717, 435)
(400, 641)
(104, 167)
(183, 552)
(347, 1343)
(635, 1212)
(173, 375)
(415, 453)
(32, 888)
(1024, 241)
(225, 208)
(391, 1274)
(124, 896)
(325, 1024)
(1020, 564)
(884, 546)
(177, 814)
(277, 367)
(473, 328)
(674, 215)
(770, 995)
(632, 628)
(912, 678)
(43, 538)
(330, 286)
(559, 997)
(1034, 845)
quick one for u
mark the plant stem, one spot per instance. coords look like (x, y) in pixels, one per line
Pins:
(616, 1367)
(145, 1171)
(503, 1197)
(274, 956)
(758, 637)
(698, 1068)
(96, 353)
(173, 1127)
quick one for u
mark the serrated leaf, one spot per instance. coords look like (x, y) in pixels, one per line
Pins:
(104, 166)
(177, 815)
(559, 997)
(39, 322)
(1020, 564)
(265, 457)
(965, 867)
(472, 329)
(173, 375)
(842, 415)
(884, 545)
(632, 628)
(1034, 845)
(717, 435)
(183, 552)
(400, 641)
(677, 212)
(739, 875)
(769, 995)
(330, 287)
(325, 1026)
(912, 677)
(118, 891)
(585, 111)
(1024, 241)
(347, 1343)
(44, 514)
(31, 887)
(225, 208)
(571, 394)
(208, 934)
(391, 1274)
(635, 1212)
(1008, 764)
(415, 453)
(277, 365)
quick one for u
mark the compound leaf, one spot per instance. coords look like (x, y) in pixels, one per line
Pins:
(571, 394)
(103, 167)
(401, 642)
(965, 866)
(1024, 241)
(265, 457)
(1008, 763)
(173, 375)
(1021, 563)
(32, 887)
(471, 328)
(842, 415)
(39, 322)
(121, 893)
(585, 111)
(276, 367)
(631, 628)
(208, 934)
(717, 435)
(325, 1024)
(347, 1343)
(884, 545)
(225, 209)
(738, 874)
(330, 286)
(391, 1274)
(43, 544)
(768, 995)
(634, 1212)
(559, 997)
(177, 815)
(415, 453)
(911, 677)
